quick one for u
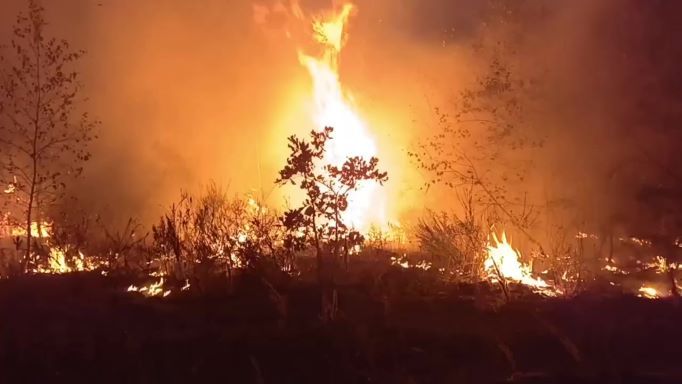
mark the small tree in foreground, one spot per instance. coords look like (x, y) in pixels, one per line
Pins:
(43, 139)
(318, 221)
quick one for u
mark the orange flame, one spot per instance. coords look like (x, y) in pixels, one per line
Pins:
(333, 109)
(503, 262)
(57, 261)
(40, 230)
(648, 292)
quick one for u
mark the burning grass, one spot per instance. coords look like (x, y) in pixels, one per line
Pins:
(217, 275)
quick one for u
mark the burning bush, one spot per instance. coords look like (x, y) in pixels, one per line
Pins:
(453, 243)
(213, 233)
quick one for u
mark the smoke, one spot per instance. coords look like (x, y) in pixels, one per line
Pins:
(187, 92)
(610, 105)
(208, 90)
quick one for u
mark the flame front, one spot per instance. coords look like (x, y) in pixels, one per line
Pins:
(503, 262)
(155, 289)
(58, 260)
(648, 292)
(38, 230)
(333, 109)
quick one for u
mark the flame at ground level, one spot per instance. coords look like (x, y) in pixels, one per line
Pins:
(57, 263)
(155, 289)
(503, 262)
(648, 292)
(49, 258)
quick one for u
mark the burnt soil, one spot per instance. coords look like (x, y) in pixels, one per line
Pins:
(86, 328)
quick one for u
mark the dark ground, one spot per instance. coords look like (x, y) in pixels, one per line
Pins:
(85, 328)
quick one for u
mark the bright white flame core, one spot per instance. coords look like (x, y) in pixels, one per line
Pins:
(503, 260)
(333, 109)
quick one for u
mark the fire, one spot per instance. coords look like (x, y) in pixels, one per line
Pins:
(648, 292)
(155, 289)
(659, 265)
(404, 263)
(333, 109)
(39, 230)
(613, 268)
(59, 260)
(57, 263)
(503, 262)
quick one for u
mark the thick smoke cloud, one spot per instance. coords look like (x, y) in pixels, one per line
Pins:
(193, 91)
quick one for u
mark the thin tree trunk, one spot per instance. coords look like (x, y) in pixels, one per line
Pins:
(671, 275)
(230, 285)
(34, 150)
(316, 237)
(38, 218)
(318, 250)
(611, 246)
(29, 235)
(346, 253)
(336, 231)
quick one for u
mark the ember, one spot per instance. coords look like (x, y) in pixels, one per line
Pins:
(155, 289)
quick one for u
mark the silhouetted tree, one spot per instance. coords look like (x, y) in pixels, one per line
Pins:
(483, 141)
(319, 219)
(43, 136)
(476, 144)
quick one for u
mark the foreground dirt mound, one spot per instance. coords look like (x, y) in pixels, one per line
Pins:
(86, 328)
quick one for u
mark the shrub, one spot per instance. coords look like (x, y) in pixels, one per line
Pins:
(452, 243)
(213, 233)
